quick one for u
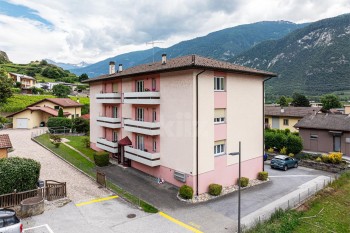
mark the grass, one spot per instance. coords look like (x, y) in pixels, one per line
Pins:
(77, 143)
(89, 167)
(331, 207)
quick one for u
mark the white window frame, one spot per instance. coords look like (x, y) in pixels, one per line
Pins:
(219, 83)
(219, 149)
(114, 112)
(140, 114)
(140, 142)
(286, 121)
(154, 145)
(219, 120)
(115, 136)
(140, 86)
(154, 84)
(154, 115)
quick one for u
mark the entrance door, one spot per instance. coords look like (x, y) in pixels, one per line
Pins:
(140, 142)
(337, 143)
(22, 123)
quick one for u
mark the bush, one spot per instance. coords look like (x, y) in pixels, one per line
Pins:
(55, 138)
(81, 125)
(244, 182)
(333, 157)
(270, 150)
(101, 158)
(186, 192)
(215, 189)
(283, 151)
(294, 144)
(318, 159)
(16, 90)
(291, 155)
(283, 138)
(86, 142)
(59, 122)
(263, 175)
(18, 173)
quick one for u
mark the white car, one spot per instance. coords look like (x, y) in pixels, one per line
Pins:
(9, 222)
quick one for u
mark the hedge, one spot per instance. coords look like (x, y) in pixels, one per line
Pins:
(59, 122)
(215, 189)
(18, 174)
(186, 192)
(281, 138)
(101, 158)
(81, 125)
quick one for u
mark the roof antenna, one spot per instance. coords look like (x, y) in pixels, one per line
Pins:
(152, 43)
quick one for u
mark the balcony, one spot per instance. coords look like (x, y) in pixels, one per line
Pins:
(147, 97)
(109, 122)
(147, 158)
(106, 145)
(108, 98)
(142, 127)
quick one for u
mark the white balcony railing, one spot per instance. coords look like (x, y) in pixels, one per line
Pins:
(107, 145)
(109, 122)
(142, 127)
(147, 97)
(108, 98)
(147, 158)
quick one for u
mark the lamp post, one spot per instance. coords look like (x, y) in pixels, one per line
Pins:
(239, 185)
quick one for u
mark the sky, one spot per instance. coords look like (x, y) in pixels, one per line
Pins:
(72, 31)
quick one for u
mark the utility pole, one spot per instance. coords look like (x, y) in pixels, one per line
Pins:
(152, 43)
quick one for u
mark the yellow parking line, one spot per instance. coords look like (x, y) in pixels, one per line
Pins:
(188, 227)
(96, 200)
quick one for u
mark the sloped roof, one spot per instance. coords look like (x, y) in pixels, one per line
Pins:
(290, 111)
(23, 76)
(183, 63)
(63, 102)
(340, 122)
(5, 141)
(125, 141)
(51, 111)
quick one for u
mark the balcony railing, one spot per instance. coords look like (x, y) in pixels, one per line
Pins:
(142, 127)
(109, 122)
(108, 98)
(147, 97)
(107, 145)
(147, 158)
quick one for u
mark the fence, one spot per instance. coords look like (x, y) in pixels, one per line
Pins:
(54, 190)
(38, 132)
(290, 201)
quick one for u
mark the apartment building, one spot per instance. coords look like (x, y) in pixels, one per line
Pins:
(146, 117)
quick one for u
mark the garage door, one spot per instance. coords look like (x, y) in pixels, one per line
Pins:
(22, 123)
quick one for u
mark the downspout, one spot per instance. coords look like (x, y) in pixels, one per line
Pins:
(263, 99)
(197, 118)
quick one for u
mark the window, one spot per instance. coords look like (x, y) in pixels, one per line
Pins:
(140, 142)
(115, 87)
(219, 83)
(154, 84)
(285, 122)
(218, 120)
(140, 114)
(115, 112)
(154, 115)
(57, 107)
(314, 136)
(219, 115)
(219, 149)
(154, 145)
(140, 86)
(115, 136)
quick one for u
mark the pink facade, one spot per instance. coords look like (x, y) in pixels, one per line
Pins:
(220, 132)
(148, 142)
(220, 99)
(151, 82)
(148, 112)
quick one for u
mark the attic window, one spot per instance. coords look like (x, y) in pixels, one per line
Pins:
(57, 107)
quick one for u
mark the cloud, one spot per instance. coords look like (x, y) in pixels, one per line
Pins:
(92, 30)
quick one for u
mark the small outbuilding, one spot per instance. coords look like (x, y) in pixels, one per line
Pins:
(5, 145)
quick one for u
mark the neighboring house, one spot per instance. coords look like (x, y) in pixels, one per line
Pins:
(325, 133)
(347, 109)
(145, 116)
(38, 113)
(27, 82)
(286, 117)
(5, 144)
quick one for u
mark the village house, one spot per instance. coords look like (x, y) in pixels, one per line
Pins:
(145, 116)
(27, 82)
(5, 145)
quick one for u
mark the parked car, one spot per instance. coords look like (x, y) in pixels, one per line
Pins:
(9, 222)
(283, 162)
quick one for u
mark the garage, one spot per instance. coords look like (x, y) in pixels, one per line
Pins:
(22, 123)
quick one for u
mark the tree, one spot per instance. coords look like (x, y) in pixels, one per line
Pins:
(5, 87)
(300, 100)
(61, 91)
(283, 101)
(60, 113)
(83, 77)
(330, 101)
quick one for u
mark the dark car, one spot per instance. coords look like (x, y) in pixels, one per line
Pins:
(9, 223)
(283, 162)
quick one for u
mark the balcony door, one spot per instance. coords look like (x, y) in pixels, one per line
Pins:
(115, 112)
(140, 86)
(140, 143)
(140, 114)
(115, 136)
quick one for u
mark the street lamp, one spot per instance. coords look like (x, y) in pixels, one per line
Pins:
(239, 185)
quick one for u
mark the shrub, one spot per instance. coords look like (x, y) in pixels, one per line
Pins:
(318, 159)
(325, 158)
(335, 157)
(291, 155)
(81, 125)
(294, 144)
(18, 173)
(60, 112)
(244, 182)
(16, 90)
(55, 138)
(101, 158)
(186, 192)
(59, 122)
(283, 151)
(215, 189)
(270, 150)
(263, 175)
(86, 142)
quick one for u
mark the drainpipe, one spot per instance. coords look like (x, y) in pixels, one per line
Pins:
(263, 99)
(197, 179)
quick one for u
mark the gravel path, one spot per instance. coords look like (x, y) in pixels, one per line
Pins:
(79, 187)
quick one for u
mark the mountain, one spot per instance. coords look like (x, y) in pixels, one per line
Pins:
(3, 57)
(313, 60)
(127, 59)
(223, 45)
(67, 66)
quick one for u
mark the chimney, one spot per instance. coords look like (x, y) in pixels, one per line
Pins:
(120, 68)
(163, 59)
(111, 67)
(282, 110)
(193, 59)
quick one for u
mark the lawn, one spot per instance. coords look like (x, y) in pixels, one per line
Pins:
(77, 143)
(328, 211)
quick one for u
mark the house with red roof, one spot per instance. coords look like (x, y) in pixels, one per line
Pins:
(37, 114)
(5, 144)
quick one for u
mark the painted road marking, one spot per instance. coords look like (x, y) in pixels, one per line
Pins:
(293, 176)
(96, 200)
(184, 225)
(45, 225)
